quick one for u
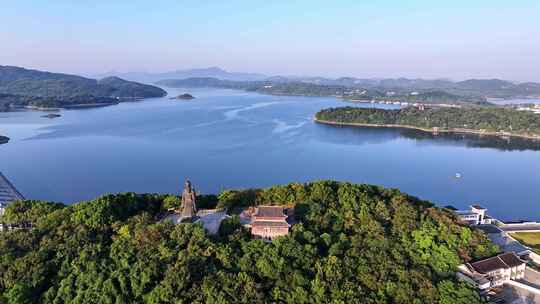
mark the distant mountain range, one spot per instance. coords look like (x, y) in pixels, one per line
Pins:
(25, 87)
(213, 72)
(302, 88)
(494, 88)
(486, 88)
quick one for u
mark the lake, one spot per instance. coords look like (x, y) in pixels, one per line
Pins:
(233, 139)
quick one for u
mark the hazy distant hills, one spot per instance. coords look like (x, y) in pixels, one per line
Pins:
(302, 88)
(477, 87)
(25, 87)
(490, 88)
(213, 72)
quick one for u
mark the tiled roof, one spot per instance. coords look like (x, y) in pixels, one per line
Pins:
(260, 224)
(270, 211)
(501, 261)
(511, 259)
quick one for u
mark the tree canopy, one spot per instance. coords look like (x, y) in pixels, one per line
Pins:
(492, 119)
(24, 87)
(352, 244)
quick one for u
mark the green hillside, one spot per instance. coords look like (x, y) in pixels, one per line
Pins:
(22, 87)
(352, 244)
(488, 119)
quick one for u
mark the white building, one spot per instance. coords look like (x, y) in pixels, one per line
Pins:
(497, 270)
(475, 216)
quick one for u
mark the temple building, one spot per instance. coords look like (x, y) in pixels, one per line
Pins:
(267, 222)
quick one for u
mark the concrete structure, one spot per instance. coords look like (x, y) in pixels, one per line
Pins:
(189, 201)
(209, 218)
(267, 222)
(498, 270)
(524, 226)
(476, 279)
(8, 193)
(505, 241)
(475, 216)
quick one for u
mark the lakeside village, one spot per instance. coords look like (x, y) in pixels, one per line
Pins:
(516, 266)
(347, 95)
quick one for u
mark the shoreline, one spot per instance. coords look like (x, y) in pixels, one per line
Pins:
(73, 106)
(433, 131)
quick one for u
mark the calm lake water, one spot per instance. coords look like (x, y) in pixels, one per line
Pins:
(233, 139)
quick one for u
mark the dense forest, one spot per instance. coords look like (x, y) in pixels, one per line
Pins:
(489, 119)
(352, 244)
(298, 88)
(23, 87)
(3, 139)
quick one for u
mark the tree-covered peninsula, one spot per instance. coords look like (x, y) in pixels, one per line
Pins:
(21, 87)
(351, 244)
(481, 120)
(3, 139)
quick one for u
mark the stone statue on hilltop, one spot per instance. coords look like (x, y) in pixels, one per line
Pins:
(189, 198)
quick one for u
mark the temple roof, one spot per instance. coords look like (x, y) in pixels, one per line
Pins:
(270, 211)
(259, 224)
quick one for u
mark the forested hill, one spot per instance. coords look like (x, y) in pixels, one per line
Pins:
(482, 119)
(352, 244)
(3, 139)
(19, 86)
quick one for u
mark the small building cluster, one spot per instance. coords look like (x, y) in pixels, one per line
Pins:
(535, 108)
(494, 271)
(264, 222)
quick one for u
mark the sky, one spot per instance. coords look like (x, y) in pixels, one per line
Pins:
(409, 38)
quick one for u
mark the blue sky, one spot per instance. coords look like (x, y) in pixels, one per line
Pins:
(430, 39)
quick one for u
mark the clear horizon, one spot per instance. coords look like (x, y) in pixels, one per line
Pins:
(416, 39)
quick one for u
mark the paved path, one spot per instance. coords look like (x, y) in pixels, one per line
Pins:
(532, 278)
(521, 227)
(516, 295)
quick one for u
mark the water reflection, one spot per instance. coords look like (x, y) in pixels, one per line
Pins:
(370, 135)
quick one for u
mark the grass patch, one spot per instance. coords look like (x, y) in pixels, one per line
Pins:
(530, 239)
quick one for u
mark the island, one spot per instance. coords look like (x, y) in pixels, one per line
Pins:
(25, 88)
(184, 96)
(4, 139)
(494, 121)
(345, 242)
(51, 115)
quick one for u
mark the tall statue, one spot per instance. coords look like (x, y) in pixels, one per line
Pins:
(189, 198)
